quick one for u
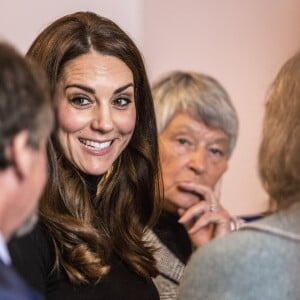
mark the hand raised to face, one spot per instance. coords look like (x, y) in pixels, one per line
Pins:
(191, 154)
(205, 219)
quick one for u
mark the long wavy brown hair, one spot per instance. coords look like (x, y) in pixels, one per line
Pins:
(279, 155)
(86, 231)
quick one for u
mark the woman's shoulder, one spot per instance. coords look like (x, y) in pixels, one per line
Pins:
(239, 262)
(250, 246)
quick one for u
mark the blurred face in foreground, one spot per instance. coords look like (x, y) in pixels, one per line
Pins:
(26, 178)
(96, 111)
(191, 154)
(32, 188)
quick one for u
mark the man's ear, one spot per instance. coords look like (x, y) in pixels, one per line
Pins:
(21, 154)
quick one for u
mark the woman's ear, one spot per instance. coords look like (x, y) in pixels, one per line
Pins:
(21, 154)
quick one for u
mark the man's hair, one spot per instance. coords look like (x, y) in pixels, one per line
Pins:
(24, 100)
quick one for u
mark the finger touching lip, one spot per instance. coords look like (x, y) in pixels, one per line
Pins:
(191, 191)
(187, 188)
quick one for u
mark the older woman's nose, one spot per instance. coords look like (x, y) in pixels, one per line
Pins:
(197, 161)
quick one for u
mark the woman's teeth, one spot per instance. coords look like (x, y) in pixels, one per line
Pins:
(95, 145)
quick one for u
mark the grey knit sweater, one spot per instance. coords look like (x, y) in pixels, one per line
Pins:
(252, 264)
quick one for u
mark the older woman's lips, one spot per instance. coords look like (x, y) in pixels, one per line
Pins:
(189, 191)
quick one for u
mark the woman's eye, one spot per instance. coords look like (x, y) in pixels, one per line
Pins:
(183, 141)
(121, 102)
(216, 151)
(80, 101)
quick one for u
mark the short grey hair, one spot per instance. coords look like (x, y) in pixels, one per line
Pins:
(199, 95)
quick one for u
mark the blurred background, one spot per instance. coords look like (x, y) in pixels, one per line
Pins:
(240, 43)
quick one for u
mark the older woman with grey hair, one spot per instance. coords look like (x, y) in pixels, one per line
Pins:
(198, 128)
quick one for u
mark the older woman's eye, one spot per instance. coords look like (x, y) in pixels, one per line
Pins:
(182, 141)
(216, 152)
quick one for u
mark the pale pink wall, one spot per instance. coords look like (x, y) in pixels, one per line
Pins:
(242, 44)
(21, 21)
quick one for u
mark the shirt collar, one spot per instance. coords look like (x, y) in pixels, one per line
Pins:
(4, 254)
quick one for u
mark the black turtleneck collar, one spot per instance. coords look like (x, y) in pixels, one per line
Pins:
(91, 182)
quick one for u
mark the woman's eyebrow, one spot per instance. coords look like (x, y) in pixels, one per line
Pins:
(221, 140)
(122, 88)
(92, 91)
(82, 87)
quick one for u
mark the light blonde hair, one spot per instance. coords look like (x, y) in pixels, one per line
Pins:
(279, 155)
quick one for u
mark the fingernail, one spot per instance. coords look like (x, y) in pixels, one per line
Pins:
(181, 220)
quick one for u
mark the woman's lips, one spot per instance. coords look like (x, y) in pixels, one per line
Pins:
(94, 145)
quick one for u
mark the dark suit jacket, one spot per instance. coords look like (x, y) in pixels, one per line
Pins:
(12, 287)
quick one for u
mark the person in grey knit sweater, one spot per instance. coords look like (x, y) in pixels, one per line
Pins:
(262, 260)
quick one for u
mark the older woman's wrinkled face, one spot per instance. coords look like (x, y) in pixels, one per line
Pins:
(190, 152)
(96, 111)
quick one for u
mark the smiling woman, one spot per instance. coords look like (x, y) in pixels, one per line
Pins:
(103, 180)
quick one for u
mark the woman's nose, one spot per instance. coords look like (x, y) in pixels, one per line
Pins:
(102, 119)
(197, 160)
